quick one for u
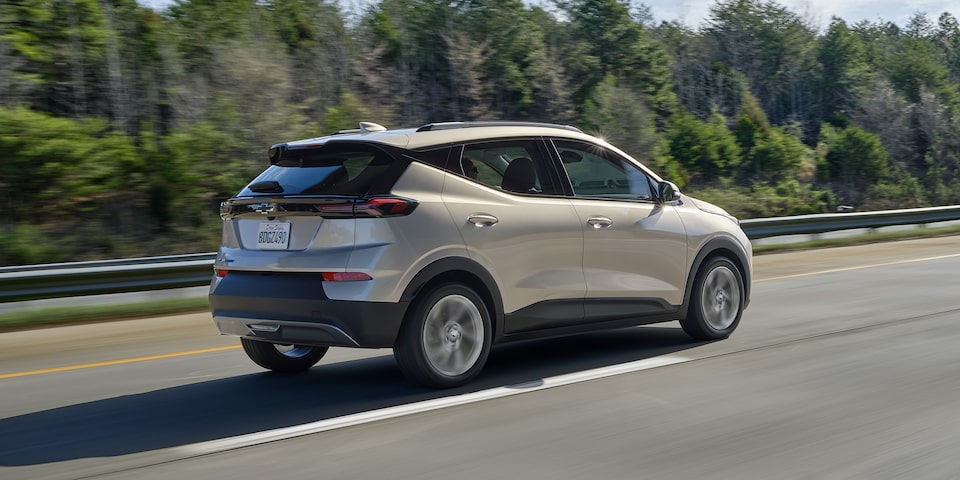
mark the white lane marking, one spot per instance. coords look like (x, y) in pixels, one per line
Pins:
(856, 267)
(240, 441)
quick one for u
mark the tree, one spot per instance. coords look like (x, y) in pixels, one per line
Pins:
(855, 158)
(59, 161)
(60, 47)
(706, 150)
(406, 34)
(512, 43)
(320, 51)
(145, 120)
(752, 123)
(470, 89)
(607, 41)
(915, 65)
(776, 156)
(619, 115)
(85, 179)
(772, 153)
(938, 129)
(886, 114)
(702, 85)
(771, 47)
(346, 115)
(947, 39)
(844, 71)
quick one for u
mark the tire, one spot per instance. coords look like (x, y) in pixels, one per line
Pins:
(282, 358)
(716, 302)
(445, 340)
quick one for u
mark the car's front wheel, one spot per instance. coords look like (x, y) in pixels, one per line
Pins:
(445, 340)
(282, 358)
(716, 301)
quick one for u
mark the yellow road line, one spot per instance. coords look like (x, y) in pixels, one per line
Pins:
(117, 362)
(857, 267)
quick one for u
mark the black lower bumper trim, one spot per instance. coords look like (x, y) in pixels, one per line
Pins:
(276, 331)
(283, 308)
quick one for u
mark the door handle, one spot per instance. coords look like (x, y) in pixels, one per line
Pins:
(481, 220)
(599, 222)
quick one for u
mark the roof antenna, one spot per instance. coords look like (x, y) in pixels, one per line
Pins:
(369, 127)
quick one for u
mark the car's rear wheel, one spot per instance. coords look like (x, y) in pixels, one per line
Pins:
(282, 358)
(716, 302)
(445, 340)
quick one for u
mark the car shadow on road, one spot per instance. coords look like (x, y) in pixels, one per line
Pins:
(245, 404)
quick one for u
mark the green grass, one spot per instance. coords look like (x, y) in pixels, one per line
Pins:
(100, 313)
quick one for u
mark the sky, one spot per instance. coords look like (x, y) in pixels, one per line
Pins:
(693, 13)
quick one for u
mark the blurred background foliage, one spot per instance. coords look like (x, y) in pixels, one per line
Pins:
(122, 128)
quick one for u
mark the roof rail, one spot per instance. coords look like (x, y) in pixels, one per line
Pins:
(454, 125)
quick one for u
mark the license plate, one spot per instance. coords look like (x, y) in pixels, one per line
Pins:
(273, 236)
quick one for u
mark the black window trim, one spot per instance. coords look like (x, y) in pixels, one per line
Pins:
(417, 155)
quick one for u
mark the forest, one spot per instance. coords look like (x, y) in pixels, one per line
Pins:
(122, 128)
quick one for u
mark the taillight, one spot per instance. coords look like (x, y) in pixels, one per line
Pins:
(330, 207)
(335, 210)
(384, 207)
(369, 208)
(346, 277)
(220, 272)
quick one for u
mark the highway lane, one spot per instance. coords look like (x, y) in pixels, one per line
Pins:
(845, 366)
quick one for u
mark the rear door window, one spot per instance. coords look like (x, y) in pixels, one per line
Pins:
(515, 166)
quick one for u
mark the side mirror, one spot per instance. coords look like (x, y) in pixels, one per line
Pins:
(668, 191)
(569, 156)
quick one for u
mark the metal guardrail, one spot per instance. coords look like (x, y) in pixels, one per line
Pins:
(54, 280)
(33, 282)
(811, 224)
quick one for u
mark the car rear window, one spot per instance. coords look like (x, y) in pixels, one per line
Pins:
(332, 169)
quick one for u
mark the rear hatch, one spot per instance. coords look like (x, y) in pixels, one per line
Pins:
(308, 201)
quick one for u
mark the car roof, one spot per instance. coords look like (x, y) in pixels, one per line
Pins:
(444, 133)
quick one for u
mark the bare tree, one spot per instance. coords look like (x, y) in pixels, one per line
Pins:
(468, 87)
(118, 98)
(884, 112)
(13, 87)
(553, 90)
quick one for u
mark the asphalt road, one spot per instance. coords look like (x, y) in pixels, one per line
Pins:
(845, 365)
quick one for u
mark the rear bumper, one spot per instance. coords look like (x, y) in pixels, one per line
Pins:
(291, 308)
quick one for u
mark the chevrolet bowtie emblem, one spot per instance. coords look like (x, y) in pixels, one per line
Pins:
(265, 208)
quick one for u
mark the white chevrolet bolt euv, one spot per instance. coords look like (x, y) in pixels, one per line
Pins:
(443, 240)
